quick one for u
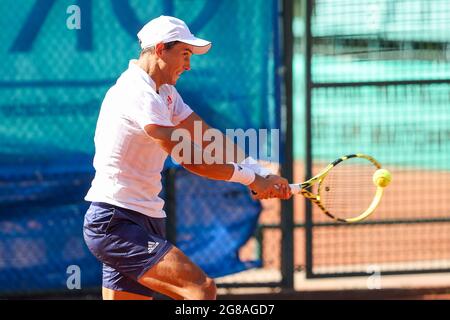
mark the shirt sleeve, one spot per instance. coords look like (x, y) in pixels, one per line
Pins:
(149, 111)
(180, 110)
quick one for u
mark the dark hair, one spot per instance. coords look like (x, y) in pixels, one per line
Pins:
(167, 46)
(170, 45)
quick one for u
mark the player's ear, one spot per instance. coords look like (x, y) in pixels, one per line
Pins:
(159, 48)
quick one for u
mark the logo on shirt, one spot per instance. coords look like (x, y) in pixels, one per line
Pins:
(152, 246)
(169, 100)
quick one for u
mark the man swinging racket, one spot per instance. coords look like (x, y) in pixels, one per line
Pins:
(124, 226)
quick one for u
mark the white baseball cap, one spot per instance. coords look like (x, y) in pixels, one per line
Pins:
(167, 29)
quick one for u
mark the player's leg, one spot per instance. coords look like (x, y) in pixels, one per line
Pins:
(137, 259)
(119, 286)
(109, 294)
(176, 276)
(120, 266)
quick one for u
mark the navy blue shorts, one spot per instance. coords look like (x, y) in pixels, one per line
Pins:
(128, 244)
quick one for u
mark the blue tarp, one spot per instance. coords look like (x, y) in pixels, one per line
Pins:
(52, 81)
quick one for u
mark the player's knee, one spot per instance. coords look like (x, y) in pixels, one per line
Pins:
(210, 289)
(205, 291)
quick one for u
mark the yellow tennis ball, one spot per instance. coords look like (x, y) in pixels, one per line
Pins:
(382, 178)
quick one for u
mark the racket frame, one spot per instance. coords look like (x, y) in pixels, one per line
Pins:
(302, 188)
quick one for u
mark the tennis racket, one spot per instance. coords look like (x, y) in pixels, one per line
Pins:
(344, 190)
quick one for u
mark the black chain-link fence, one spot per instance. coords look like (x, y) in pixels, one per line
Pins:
(380, 79)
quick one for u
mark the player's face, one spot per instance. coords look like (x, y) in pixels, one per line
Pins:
(177, 60)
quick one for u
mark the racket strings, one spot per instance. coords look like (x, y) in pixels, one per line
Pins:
(347, 191)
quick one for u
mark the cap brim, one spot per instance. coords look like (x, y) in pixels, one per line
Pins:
(200, 46)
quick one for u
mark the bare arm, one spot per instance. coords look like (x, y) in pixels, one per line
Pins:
(164, 137)
(229, 151)
(195, 124)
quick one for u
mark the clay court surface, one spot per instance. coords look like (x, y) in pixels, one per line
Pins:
(413, 194)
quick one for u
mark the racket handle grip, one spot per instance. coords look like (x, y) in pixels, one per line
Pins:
(295, 188)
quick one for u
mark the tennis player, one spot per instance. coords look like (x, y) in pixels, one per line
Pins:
(124, 226)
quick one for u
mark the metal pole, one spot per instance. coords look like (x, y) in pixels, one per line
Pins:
(287, 207)
(308, 136)
(170, 206)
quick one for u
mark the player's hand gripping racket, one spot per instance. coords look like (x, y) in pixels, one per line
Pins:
(345, 190)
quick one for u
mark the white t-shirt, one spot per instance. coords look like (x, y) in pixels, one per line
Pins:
(127, 162)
